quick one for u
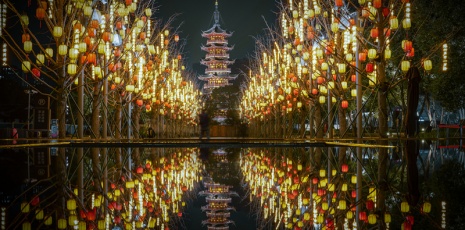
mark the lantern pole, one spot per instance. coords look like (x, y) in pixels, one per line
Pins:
(80, 151)
(359, 127)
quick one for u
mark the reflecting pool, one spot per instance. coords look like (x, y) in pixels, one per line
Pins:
(231, 187)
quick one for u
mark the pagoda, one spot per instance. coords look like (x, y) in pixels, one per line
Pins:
(217, 74)
(218, 198)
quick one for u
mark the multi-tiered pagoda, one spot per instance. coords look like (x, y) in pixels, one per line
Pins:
(218, 197)
(217, 73)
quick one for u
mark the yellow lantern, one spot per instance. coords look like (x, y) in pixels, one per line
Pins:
(344, 187)
(372, 53)
(344, 84)
(39, 214)
(353, 92)
(87, 10)
(72, 220)
(320, 218)
(129, 184)
(353, 179)
(27, 46)
(405, 65)
(62, 49)
(349, 215)
(324, 205)
(324, 66)
(73, 53)
(129, 88)
(25, 19)
(341, 67)
(72, 68)
(57, 31)
(331, 187)
(62, 223)
(26, 225)
(48, 221)
(307, 216)
(406, 23)
(394, 22)
(342, 205)
(82, 225)
(322, 100)
(40, 59)
(404, 206)
(349, 57)
(101, 224)
(427, 65)
(26, 66)
(387, 217)
(387, 54)
(49, 52)
(372, 218)
(426, 207)
(82, 47)
(322, 172)
(71, 204)
(148, 12)
(151, 223)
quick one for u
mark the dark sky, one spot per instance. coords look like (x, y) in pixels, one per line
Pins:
(246, 18)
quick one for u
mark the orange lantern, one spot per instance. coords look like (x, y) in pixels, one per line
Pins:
(344, 104)
(338, 3)
(139, 102)
(40, 13)
(106, 36)
(377, 3)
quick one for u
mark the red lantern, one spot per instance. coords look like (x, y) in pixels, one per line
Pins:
(40, 13)
(386, 12)
(92, 58)
(142, 35)
(35, 201)
(411, 53)
(128, 2)
(106, 36)
(362, 56)
(315, 180)
(377, 3)
(314, 91)
(35, 72)
(369, 67)
(370, 204)
(139, 102)
(353, 78)
(25, 37)
(119, 25)
(320, 80)
(353, 194)
(344, 105)
(344, 167)
(338, 3)
(140, 170)
(407, 45)
(407, 225)
(147, 107)
(410, 219)
(374, 32)
(362, 216)
(321, 192)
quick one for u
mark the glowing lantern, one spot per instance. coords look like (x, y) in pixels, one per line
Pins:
(387, 217)
(406, 23)
(73, 53)
(82, 225)
(372, 53)
(362, 216)
(374, 32)
(349, 215)
(101, 224)
(26, 225)
(427, 64)
(362, 56)
(322, 172)
(62, 223)
(405, 65)
(71, 204)
(344, 187)
(324, 205)
(372, 218)
(426, 208)
(338, 3)
(35, 72)
(39, 214)
(62, 49)
(27, 46)
(393, 22)
(344, 104)
(57, 31)
(353, 179)
(72, 220)
(26, 66)
(48, 221)
(49, 52)
(404, 206)
(25, 37)
(341, 67)
(322, 99)
(72, 69)
(40, 13)
(369, 68)
(342, 205)
(353, 92)
(387, 54)
(40, 59)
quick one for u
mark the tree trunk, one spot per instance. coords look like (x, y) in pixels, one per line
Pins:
(95, 123)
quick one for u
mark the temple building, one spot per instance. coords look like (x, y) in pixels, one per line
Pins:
(217, 74)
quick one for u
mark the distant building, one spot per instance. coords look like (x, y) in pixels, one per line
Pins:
(217, 73)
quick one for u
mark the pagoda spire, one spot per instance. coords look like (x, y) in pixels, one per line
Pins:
(216, 14)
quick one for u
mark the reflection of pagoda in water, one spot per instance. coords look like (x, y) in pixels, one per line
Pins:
(217, 73)
(218, 198)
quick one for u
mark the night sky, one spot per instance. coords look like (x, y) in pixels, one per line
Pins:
(246, 18)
